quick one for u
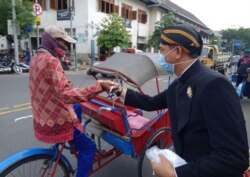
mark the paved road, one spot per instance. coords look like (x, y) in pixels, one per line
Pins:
(16, 131)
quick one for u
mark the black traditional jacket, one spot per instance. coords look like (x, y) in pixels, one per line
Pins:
(207, 122)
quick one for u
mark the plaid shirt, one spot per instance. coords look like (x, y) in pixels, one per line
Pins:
(52, 96)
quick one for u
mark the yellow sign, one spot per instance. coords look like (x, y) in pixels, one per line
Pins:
(38, 20)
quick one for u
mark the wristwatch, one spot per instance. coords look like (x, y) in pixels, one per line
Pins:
(119, 92)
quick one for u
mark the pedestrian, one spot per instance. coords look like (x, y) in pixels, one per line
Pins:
(27, 56)
(246, 85)
(242, 66)
(207, 123)
(53, 96)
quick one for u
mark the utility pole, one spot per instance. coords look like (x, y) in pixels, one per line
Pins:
(92, 43)
(37, 33)
(233, 48)
(137, 39)
(37, 36)
(15, 31)
(71, 32)
(30, 46)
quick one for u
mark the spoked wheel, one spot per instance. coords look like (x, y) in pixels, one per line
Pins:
(162, 139)
(17, 69)
(36, 166)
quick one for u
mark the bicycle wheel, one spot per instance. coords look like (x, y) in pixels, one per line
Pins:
(160, 138)
(36, 166)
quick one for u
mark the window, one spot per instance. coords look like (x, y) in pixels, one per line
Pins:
(53, 4)
(68, 31)
(42, 3)
(127, 12)
(142, 16)
(108, 6)
(61, 4)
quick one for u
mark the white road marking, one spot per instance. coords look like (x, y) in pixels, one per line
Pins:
(24, 117)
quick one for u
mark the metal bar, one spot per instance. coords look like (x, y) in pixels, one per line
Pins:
(57, 160)
(114, 152)
(14, 24)
(37, 36)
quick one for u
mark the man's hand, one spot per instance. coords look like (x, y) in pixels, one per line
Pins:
(164, 168)
(109, 86)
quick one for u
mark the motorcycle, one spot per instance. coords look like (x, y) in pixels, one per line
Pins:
(7, 64)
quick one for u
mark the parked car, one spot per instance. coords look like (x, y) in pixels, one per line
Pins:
(131, 50)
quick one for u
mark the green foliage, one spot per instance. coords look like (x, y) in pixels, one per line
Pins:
(5, 14)
(215, 40)
(166, 20)
(112, 32)
(24, 16)
(231, 35)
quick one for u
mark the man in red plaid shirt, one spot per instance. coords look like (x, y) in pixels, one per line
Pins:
(52, 96)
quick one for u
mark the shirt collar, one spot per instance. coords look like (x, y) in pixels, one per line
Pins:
(188, 66)
(192, 69)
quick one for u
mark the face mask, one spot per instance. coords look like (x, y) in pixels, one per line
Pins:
(59, 52)
(169, 68)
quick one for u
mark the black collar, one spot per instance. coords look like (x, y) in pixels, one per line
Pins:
(194, 69)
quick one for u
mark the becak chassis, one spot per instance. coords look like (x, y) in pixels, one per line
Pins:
(125, 128)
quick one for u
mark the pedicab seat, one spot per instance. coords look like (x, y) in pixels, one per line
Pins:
(113, 120)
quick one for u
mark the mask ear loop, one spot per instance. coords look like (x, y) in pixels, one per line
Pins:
(169, 52)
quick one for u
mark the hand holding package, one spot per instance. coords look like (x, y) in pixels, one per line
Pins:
(154, 152)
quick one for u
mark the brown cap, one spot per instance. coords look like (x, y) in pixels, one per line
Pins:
(183, 35)
(58, 32)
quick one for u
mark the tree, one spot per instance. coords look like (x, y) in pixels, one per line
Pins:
(167, 20)
(215, 40)
(236, 36)
(5, 14)
(24, 16)
(112, 33)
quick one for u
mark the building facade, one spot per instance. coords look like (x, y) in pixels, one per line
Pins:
(139, 16)
(3, 43)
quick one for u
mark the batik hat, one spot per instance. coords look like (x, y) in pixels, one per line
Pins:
(183, 35)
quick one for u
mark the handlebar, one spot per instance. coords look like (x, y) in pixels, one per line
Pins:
(106, 109)
(113, 109)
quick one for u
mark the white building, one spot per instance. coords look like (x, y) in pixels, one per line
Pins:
(3, 43)
(139, 15)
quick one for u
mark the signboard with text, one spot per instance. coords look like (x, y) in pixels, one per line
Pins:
(63, 15)
(127, 23)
